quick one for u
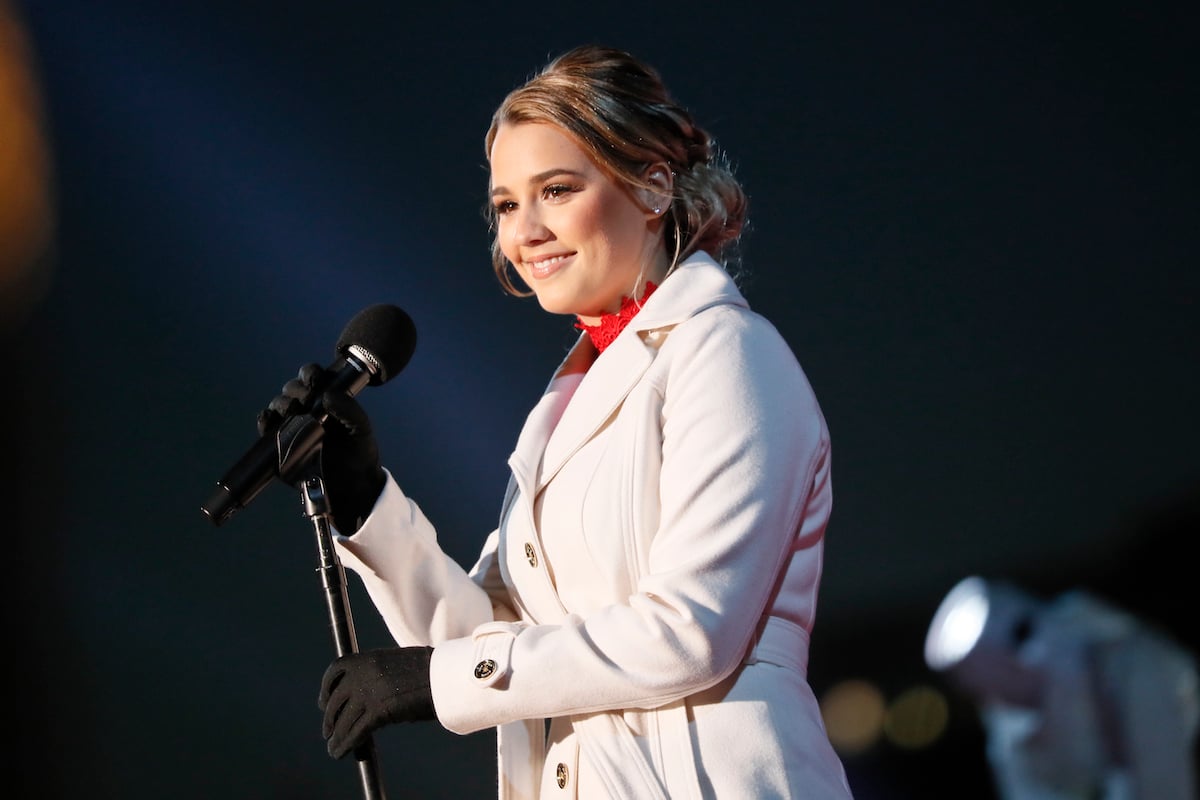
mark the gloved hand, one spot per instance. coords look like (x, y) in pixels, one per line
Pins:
(362, 692)
(349, 453)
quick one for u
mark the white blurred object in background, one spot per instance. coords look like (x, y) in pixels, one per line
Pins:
(1078, 699)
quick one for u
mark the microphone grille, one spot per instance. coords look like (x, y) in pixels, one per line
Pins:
(382, 335)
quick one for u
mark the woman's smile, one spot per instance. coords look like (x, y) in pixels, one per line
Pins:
(540, 268)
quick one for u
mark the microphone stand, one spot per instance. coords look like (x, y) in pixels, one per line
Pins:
(341, 622)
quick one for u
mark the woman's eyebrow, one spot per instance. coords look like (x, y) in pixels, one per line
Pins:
(538, 178)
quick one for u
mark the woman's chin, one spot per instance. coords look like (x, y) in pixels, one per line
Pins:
(552, 305)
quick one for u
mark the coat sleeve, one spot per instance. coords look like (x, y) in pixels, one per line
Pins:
(423, 595)
(742, 445)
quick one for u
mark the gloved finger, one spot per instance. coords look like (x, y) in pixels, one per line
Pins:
(337, 709)
(313, 376)
(351, 730)
(295, 389)
(268, 420)
(348, 412)
(280, 408)
(309, 381)
(285, 405)
(330, 680)
(293, 398)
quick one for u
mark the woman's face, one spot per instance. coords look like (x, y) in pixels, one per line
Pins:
(577, 238)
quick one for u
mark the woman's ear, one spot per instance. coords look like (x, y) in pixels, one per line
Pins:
(658, 197)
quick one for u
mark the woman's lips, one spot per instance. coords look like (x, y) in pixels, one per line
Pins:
(545, 267)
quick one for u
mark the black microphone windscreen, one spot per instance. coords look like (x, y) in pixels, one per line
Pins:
(387, 333)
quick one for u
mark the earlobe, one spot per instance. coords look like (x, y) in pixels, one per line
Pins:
(657, 203)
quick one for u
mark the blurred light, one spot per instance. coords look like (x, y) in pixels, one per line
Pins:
(958, 624)
(976, 635)
(853, 711)
(1079, 699)
(25, 196)
(916, 718)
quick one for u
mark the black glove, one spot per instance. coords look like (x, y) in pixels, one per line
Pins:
(350, 464)
(365, 691)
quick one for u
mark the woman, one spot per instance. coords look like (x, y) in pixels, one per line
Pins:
(637, 626)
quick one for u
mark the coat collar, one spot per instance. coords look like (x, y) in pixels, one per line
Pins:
(553, 433)
(696, 284)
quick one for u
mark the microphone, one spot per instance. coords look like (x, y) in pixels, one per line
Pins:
(373, 348)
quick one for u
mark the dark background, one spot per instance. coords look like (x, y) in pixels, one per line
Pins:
(976, 224)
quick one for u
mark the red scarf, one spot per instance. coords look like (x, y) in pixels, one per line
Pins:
(603, 333)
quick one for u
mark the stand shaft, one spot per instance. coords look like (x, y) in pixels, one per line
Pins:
(341, 621)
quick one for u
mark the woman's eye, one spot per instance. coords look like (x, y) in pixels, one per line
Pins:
(557, 190)
(504, 206)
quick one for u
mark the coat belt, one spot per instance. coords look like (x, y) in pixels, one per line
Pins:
(782, 643)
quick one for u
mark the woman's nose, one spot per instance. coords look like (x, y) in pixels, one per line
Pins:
(530, 228)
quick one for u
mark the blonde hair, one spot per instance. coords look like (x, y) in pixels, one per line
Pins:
(618, 110)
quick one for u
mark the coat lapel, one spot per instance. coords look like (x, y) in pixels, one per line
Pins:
(526, 457)
(603, 388)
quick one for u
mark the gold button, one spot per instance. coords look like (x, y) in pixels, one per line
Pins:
(531, 554)
(485, 668)
(560, 774)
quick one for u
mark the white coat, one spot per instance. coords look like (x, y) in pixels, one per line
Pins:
(652, 583)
